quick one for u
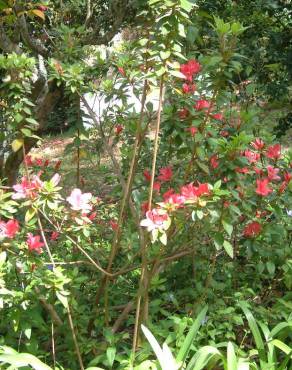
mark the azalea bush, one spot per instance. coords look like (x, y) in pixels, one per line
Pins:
(194, 207)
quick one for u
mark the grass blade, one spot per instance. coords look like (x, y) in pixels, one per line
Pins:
(184, 350)
(231, 357)
(256, 334)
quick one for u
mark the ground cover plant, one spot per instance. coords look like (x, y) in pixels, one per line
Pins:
(159, 212)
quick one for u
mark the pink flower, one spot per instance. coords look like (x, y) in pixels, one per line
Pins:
(202, 104)
(190, 68)
(214, 161)
(252, 157)
(218, 116)
(258, 171)
(165, 174)
(34, 243)
(155, 219)
(273, 173)
(27, 189)
(224, 133)
(191, 192)
(274, 151)
(54, 235)
(9, 229)
(173, 201)
(167, 194)
(258, 144)
(252, 229)
(262, 187)
(193, 130)
(56, 179)
(188, 88)
(79, 201)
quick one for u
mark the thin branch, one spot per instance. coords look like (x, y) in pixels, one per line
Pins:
(34, 44)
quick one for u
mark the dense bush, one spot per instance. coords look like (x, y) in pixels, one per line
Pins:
(193, 208)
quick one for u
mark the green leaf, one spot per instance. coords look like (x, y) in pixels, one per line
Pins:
(227, 227)
(204, 355)
(30, 213)
(164, 54)
(26, 131)
(185, 348)
(110, 355)
(63, 299)
(231, 357)
(228, 248)
(177, 74)
(218, 241)
(271, 267)
(186, 5)
(256, 334)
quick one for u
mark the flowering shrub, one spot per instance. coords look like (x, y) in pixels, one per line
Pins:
(195, 206)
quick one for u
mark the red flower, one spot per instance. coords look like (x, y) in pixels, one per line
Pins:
(188, 88)
(252, 229)
(114, 225)
(274, 151)
(144, 207)
(46, 163)
(189, 69)
(119, 129)
(147, 175)
(202, 104)
(28, 160)
(287, 177)
(273, 173)
(9, 229)
(258, 144)
(92, 216)
(167, 194)
(183, 113)
(156, 186)
(54, 235)
(242, 170)
(165, 174)
(262, 187)
(218, 116)
(252, 157)
(34, 243)
(214, 161)
(122, 71)
(193, 130)
(283, 187)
